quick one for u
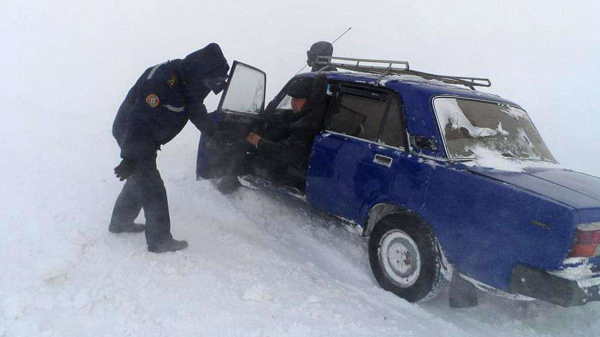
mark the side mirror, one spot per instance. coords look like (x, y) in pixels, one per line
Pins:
(424, 143)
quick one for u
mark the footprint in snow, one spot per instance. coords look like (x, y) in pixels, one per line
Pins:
(257, 294)
(313, 299)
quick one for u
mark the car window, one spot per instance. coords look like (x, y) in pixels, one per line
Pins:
(357, 116)
(285, 104)
(245, 91)
(394, 129)
(476, 128)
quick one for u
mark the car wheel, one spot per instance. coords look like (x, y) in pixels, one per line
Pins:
(405, 258)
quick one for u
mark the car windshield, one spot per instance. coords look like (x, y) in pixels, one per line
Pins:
(469, 126)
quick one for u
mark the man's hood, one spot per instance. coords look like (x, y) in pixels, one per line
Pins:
(578, 190)
(206, 63)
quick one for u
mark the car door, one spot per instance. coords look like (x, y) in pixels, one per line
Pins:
(241, 104)
(353, 159)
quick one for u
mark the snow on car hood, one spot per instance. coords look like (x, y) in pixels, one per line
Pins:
(575, 189)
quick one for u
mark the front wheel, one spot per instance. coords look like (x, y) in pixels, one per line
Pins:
(405, 258)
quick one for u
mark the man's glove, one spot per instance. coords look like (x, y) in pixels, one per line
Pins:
(125, 168)
(210, 123)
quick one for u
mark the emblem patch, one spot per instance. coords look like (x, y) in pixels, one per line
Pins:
(152, 100)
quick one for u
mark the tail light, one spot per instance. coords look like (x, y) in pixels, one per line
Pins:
(587, 241)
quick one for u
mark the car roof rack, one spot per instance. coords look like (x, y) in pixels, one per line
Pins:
(385, 68)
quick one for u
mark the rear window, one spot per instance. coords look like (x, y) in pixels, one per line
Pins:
(358, 116)
(473, 128)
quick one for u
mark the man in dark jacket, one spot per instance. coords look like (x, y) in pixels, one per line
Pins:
(155, 110)
(321, 48)
(309, 104)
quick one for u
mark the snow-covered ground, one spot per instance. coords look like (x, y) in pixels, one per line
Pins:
(255, 266)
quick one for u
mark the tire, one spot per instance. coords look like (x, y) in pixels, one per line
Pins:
(405, 258)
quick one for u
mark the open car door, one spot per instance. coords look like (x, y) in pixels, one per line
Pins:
(222, 152)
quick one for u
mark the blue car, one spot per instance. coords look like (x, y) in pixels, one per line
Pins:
(446, 181)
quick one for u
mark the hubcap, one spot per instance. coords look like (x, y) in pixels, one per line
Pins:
(399, 256)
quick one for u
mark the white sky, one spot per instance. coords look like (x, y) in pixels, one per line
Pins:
(62, 59)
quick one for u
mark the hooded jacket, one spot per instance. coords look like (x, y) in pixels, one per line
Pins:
(163, 99)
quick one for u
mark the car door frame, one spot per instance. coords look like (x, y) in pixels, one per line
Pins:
(315, 194)
(208, 153)
(226, 90)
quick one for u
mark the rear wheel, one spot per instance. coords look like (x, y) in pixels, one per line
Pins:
(405, 258)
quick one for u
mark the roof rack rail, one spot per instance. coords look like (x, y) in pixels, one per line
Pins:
(385, 68)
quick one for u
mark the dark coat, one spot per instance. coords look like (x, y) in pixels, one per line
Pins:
(295, 149)
(163, 99)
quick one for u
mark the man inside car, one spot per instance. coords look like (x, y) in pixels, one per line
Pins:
(291, 152)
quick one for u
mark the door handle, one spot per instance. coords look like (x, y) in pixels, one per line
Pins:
(383, 160)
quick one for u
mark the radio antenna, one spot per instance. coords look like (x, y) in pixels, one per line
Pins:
(339, 37)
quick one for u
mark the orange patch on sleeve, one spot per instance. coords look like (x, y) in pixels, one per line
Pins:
(152, 100)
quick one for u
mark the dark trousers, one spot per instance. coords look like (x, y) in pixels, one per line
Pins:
(145, 189)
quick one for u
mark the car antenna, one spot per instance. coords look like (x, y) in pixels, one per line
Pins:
(339, 37)
(334, 41)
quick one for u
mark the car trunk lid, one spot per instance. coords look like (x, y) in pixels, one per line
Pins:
(578, 190)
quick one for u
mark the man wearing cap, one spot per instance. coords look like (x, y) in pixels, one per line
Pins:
(321, 48)
(155, 110)
(309, 104)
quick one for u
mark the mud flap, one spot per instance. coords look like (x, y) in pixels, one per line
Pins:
(463, 293)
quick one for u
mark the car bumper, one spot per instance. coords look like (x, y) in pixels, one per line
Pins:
(554, 287)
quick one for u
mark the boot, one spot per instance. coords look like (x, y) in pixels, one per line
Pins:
(168, 246)
(130, 228)
(228, 185)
